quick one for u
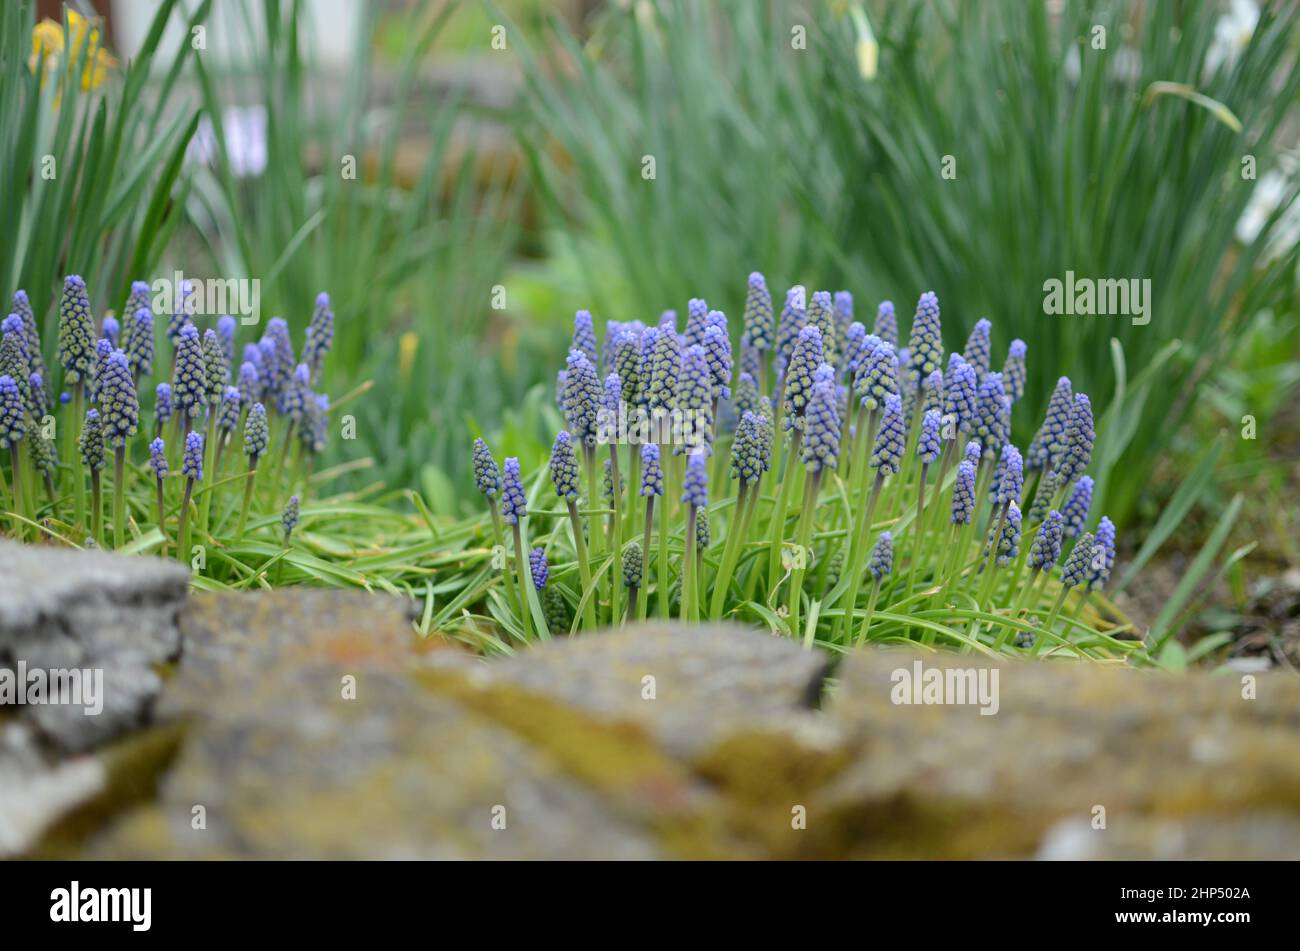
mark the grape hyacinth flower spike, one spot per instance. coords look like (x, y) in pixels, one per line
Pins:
(695, 496)
(1076, 507)
(514, 508)
(1014, 372)
(257, 435)
(289, 518)
(23, 308)
(121, 409)
(139, 344)
(886, 325)
(979, 350)
(91, 444)
(110, 329)
(881, 565)
(320, 336)
(158, 465)
(759, 323)
(190, 384)
(1075, 571)
(13, 427)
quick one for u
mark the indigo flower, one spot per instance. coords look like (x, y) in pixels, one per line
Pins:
(91, 441)
(538, 568)
(320, 336)
(23, 308)
(136, 301)
(697, 319)
(582, 397)
(253, 355)
(991, 414)
(1044, 495)
(1047, 543)
(695, 490)
(250, 383)
(856, 347)
(877, 379)
(1078, 566)
(103, 350)
(607, 482)
(928, 446)
(277, 356)
(978, 352)
(891, 440)
(804, 361)
(561, 378)
(758, 321)
(1079, 438)
(38, 401)
(633, 562)
(843, 313)
(584, 336)
(256, 432)
(974, 452)
(487, 477)
(882, 556)
(110, 329)
(181, 308)
(1105, 539)
(1009, 537)
(292, 401)
(162, 403)
(226, 331)
(792, 321)
(1008, 476)
(228, 413)
(1076, 507)
(652, 474)
(216, 366)
(76, 330)
(932, 389)
(747, 462)
(665, 370)
(158, 457)
(766, 430)
(627, 364)
(611, 403)
(190, 387)
(821, 314)
(192, 459)
(514, 505)
(1049, 442)
(751, 360)
(702, 534)
(886, 325)
(668, 322)
(963, 493)
(821, 429)
(746, 396)
(314, 433)
(1013, 371)
(289, 519)
(564, 467)
(42, 454)
(717, 349)
(139, 342)
(649, 343)
(695, 400)
(117, 400)
(13, 414)
(13, 350)
(925, 345)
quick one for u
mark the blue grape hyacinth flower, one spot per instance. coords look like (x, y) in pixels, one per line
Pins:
(514, 504)
(76, 331)
(118, 401)
(487, 476)
(979, 351)
(821, 437)
(1014, 372)
(1079, 438)
(891, 441)
(652, 473)
(963, 493)
(929, 444)
(192, 459)
(257, 433)
(1049, 442)
(1046, 548)
(538, 568)
(758, 320)
(139, 343)
(1076, 507)
(158, 457)
(695, 489)
(886, 325)
(882, 556)
(564, 467)
(13, 412)
(189, 389)
(804, 361)
(1105, 540)
(877, 379)
(1078, 566)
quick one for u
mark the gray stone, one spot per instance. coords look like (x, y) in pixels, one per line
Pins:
(64, 609)
(708, 680)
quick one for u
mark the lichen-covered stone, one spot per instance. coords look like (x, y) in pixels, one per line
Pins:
(689, 685)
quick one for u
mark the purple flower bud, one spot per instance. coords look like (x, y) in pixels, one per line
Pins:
(487, 477)
(748, 457)
(584, 336)
(110, 329)
(250, 383)
(228, 410)
(182, 310)
(256, 432)
(289, 520)
(38, 401)
(697, 319)
(1047, 543)
(877, 379)
(746, 395)
(189, 388)
(925, 345)
(1076, 507)
(932, 390)
(158, 457)
(293, 397)
(277, 357)
(963, 493)
(792, 322)
(139, 343)
(1014, 371)
(1079, 438)
(886, 325)
(978, 352)
(959, 397)
(804, 361)
(91, 441)
(226, 331)
(821, 314)
(665, 370)
(695, 399)
(117, 400)
(162, 403)
(882, 556)
(758, 320)
(891, 441)
(856, 347)
(821, 430)
(751, 358)
(632, 564)
(582, 397)
(538, 568)
(1078, 566)
(1105, 540)
(1008, 476)
(627, 363)
(973, 453)
(929, 444)
(320, 336)
(992, 415)
(76, 330)
(23, 308)
(514, 505)
(717, 350)
(13, 413)
(564, 467)
(1009, 538)
(695, 490)
(216, 366)
(1049, 443)
(192, 459)
(843, 313)
(652, 474)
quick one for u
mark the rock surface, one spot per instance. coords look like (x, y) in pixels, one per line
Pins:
(318, 724)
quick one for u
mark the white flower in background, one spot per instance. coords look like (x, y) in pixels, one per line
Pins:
(866, 48)
(1232, 33)
(245, 133)
(1272, 189)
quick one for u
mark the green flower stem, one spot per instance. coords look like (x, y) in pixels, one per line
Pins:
(584, 567)
(616, 541)
(778, 516)
(689, 607)
(1019, 567)
(119, 497)
(209, 466)
(521, 569)
(861, 447)
(73, 455)
(990, 564)
(730, 552)
(807, 516)
(670, 471)
(1051, 621)
(162, 517)
(871, 609)
(645, 556)
(250, 481)
(498, 534)
(183, 532)
(19, 528)
(859, 556)
(97, 508)
(593, 493)
(918, 535)
(633, 487)
(953, 581)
